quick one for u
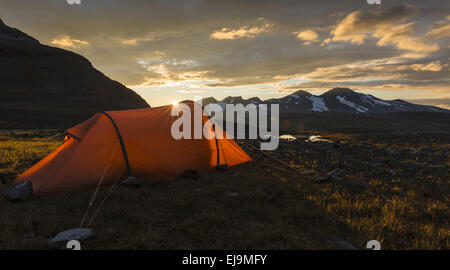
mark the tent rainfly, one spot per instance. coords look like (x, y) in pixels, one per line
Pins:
(116, 144)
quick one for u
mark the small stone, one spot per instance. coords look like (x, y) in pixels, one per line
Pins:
(19, 191)
(62, 238)
(322, 179)
(132, 181)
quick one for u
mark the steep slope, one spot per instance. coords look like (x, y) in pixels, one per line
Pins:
(43, 86)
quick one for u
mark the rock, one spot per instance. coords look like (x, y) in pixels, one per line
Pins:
(19, 191)
(79, 234)
(132, 181)
(340, 244)
(336, 173)
(322, 179)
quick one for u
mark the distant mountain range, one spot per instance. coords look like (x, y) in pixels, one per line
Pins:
(43, 86)
(342, 100)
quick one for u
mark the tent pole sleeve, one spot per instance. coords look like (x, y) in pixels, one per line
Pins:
(122, 144)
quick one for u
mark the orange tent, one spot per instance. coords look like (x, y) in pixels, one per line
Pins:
(115, 144)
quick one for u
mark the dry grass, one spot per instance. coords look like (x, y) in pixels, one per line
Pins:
(20, 150)
(255, 206)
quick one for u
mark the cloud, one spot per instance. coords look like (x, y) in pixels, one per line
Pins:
(68, 42)
(242, 32)
(372, 46)
(171, 72)
(401, 37)
(395, 73)
(432, 66)
(386, 25)
(135, 41)
(356, 26)
(440, 29)
(309, 36)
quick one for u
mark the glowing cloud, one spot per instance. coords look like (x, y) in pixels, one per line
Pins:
(68, 42)
(243, 32)
(309, 36)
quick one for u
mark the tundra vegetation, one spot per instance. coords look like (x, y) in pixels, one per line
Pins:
(391, 187)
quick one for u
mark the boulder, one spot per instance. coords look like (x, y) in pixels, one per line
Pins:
(132, 181)
(61, 239)
(19, 191)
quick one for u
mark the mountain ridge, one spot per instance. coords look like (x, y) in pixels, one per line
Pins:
(335, 100)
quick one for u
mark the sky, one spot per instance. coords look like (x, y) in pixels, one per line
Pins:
(169, 50)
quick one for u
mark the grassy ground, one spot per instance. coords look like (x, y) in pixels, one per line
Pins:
(21, 149)
(394, 188)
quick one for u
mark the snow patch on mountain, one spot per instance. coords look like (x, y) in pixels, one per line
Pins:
(377, 101)
(318, 105)
(360, 109)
